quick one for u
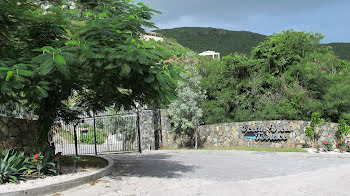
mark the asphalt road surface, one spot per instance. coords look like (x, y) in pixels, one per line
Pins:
(222, 173)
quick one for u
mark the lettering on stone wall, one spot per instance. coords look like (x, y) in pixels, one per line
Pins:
(262, 132)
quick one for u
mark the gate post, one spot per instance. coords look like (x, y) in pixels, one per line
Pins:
(138, 131)
(93, 115)
(76, 138)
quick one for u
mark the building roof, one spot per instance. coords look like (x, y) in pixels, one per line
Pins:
(208, 53)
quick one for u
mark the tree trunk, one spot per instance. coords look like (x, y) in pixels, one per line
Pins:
(195, 138)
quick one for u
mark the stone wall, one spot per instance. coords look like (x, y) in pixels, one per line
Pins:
(16, 133)
(274, 133)
(147, 130)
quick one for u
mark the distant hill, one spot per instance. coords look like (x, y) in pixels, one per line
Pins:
(200, 39)
(342, 50)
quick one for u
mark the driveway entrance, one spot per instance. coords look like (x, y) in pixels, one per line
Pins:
(223, 173)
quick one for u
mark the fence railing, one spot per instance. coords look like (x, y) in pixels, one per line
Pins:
(96, 133)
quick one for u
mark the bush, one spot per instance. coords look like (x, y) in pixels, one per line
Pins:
(89, 137)
(343, 129)
(343, 146)
(328, 146)
(44, 164)
(12, 166)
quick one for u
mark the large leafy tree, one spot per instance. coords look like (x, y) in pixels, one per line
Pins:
(92, 53)
(288, 76)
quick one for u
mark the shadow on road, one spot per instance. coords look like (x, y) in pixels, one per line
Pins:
(148, 165)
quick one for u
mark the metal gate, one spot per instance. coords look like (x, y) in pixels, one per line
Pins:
(97, 133)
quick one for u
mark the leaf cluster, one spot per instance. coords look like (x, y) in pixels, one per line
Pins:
(12, 166)
(91, 54)
(288, 76)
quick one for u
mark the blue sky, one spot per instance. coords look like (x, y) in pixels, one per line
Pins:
(329, 17)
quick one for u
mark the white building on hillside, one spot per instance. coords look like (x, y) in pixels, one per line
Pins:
(152, 35)
(213, 54)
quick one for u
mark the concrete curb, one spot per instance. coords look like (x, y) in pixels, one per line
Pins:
(53, 188)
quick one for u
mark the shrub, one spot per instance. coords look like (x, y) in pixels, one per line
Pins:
(328, 146)
(309, 131)
(44, 164)
(343, 129)
(89, 137)
(343, 146)
(12, 166)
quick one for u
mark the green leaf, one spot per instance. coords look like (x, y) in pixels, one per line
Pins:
(102, 15)
(9, 75)
(74, 12)
(59, 60)
(141, 4)
(87, 13)
(63, 68)
(125, 69)
(44, 83)
(149, 79)
(25, 73)
(47, 66)
(132, 17)
(43, 92)
(71, 43)
(5, 69)
(48, 49)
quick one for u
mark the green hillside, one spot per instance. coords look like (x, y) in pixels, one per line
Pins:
(342, 50)
(224, 41)
(200, 39)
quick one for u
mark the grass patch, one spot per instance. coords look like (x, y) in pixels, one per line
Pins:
(85, 162)
(246, 148)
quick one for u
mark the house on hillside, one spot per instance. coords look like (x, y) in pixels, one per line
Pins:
(152, 35)
(213, 54)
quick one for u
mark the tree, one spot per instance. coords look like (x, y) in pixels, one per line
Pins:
(288, 76)
(185, 113)
(93, 53)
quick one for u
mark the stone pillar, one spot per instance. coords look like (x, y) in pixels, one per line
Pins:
(147, 130)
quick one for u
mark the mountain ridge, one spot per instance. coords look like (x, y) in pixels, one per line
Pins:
(200, 39)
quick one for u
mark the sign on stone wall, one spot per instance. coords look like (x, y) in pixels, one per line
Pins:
(261, 132)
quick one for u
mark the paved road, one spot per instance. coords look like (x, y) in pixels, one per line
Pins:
(223, 173)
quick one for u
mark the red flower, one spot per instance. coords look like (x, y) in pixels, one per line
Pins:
(58, 158)
(337, 145)
(325, 142)
(36, 156)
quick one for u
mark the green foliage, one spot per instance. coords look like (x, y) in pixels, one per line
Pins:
(50, 53)
(310, 133)
(343, 129)
(316, 119)
(185, 113)
(12, 166)
(343, 146)
(228, 42)
(341, 50)
(288, 76)
(46, 161)
(89, 137)
(328, 146)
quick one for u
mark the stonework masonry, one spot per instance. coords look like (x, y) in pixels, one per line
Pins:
(19, 133)
(16, 133)
(276, 133)
(147, 130)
